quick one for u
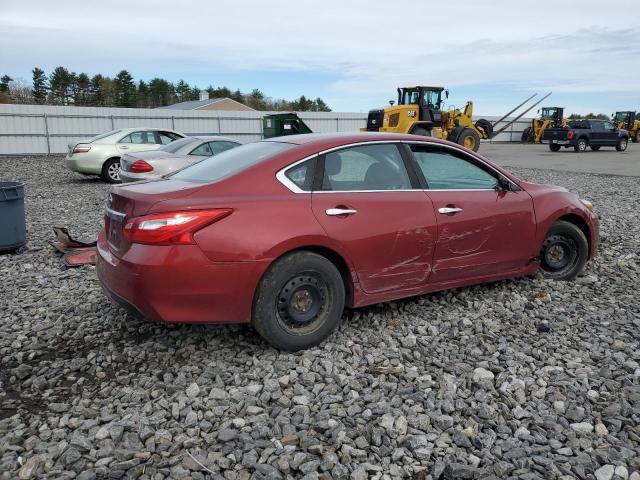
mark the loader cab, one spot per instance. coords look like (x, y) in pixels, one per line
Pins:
(554, 114)
(624, 119)
(428, 100)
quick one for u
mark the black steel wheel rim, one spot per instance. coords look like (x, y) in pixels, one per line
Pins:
(558, 252)
(301, 301)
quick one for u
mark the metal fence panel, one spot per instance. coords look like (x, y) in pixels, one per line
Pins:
(38, 129)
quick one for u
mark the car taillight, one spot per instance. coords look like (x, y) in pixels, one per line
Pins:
(140, 166)
(570, 134)
(81, 149)
(175, 228)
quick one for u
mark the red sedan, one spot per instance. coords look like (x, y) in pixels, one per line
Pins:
(285, 233)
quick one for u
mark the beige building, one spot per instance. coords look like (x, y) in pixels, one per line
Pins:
(209, 104)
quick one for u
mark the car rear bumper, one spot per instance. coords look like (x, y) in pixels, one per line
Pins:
(556, 142)
(84, 165)
(178, 284)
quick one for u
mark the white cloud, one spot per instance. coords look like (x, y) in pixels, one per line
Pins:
(371, 47)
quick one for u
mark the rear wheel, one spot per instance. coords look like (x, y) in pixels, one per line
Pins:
(486, 126)
(595, 148)
(636, 139)
(527, 135)
(299, 301)
(564, 251)
(111, 170)
(470, 139)
(554, 147)
(582, 145)
(622, 144)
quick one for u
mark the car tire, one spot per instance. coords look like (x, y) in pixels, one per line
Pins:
(110, 171)
(564, 252)
(636, 139)
(582, 145)
(299, 301)
(595, 148)
(554, 148)
(622, 144)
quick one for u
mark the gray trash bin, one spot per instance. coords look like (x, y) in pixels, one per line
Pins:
(13, 227)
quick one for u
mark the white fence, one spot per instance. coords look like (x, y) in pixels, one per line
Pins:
(36, 129)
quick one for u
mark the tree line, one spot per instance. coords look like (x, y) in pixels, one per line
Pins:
(63, 87)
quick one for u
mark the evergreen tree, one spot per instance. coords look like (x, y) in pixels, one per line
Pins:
(183, 91)
(194, 93)
(60, 86)
(256, 100)
(39, 86)
(82, 90)
(124, 90)
(142, 96)
(161, 93)
(4, 83)
(237, 96)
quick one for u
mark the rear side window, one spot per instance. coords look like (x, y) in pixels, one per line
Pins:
(173, 147)
(168, 137)
(203, 150)
(367, 167)
(444, 171)
(302, 174)
(139, 138)
(219, 147)
(231, 162)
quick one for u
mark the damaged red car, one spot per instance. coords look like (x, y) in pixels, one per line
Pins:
(286, 233)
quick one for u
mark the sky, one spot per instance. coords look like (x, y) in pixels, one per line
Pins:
(351, 53)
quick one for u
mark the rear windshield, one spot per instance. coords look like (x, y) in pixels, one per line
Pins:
(104, 135)
(173, 147)
(231, 161)
(580, 124)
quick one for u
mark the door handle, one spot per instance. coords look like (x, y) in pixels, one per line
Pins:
(332, 212)
(447, 210)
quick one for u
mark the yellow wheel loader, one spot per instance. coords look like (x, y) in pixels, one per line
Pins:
(550, 117)
(628, 121)
(419, 111)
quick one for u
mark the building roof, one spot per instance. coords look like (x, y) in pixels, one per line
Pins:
(197, 104)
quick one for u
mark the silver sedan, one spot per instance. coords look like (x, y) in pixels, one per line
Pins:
(151, 165)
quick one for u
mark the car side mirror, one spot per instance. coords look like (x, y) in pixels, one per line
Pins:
(504, 185)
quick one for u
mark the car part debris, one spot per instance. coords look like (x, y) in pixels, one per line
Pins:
(75, 252)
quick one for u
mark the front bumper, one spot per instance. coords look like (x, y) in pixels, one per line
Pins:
(178, 284)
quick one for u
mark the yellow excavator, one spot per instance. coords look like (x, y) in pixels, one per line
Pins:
(419, 111)
(629, 122)
(550, 117)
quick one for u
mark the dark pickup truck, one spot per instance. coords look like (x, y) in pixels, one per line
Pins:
(581, 134)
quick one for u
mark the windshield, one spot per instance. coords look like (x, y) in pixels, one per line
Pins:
(548, 114)
(104, 135)
(431, 99)
(621, 117)
(230, 162)
(173, 147)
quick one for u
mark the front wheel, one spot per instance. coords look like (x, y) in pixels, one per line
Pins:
(622, 145)
(564, 251)
(582, 145)
(636, 139)
(554, 147)
(111, 170)
(299, 301)
(527, 135)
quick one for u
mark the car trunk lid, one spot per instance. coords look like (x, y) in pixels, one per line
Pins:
(125, 202)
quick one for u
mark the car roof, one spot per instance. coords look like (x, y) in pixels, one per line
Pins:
(327, 140)
(212, 138)
(135, 129)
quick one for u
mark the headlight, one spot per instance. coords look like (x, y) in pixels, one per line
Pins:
(587, 204)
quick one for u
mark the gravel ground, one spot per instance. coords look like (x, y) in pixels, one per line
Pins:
(518, 379)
